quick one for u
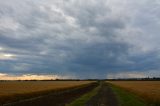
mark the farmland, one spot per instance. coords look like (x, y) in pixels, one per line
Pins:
(15, 87)
(11, 90)
(80, 93)
(147, 90)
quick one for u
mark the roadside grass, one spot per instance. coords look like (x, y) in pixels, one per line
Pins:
(84, 98)
(126, 98)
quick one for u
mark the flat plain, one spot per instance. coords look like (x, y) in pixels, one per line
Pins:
(76, 93)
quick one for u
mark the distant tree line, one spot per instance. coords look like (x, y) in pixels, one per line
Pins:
(118, 79)
(136, 79)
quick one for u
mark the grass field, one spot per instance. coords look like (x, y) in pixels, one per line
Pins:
(10, 89)
(147, 90)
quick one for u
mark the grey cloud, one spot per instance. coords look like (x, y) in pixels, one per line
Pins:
(83, 38)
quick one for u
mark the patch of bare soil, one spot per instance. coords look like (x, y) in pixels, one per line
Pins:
(105, 97)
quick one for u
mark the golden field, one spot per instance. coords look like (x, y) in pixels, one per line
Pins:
(148, 90)
(10, 89)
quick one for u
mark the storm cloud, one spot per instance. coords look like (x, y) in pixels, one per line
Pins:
(79, 38)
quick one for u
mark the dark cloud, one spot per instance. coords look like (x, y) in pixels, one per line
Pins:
(87, 39)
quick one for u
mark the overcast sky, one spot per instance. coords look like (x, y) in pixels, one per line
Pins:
(80, 38)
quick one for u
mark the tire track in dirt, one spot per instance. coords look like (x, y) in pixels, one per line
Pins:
(104, 97)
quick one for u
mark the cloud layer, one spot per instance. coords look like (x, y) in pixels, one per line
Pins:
(84, 39)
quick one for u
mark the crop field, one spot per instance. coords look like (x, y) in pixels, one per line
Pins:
(15, 87)
(10, 89)
(80, 93)
(148, 90)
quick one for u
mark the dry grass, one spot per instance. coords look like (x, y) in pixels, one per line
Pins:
(11, 91)
(9, 88)
(148, 90)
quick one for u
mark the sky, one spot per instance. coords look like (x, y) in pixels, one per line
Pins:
(49, 39)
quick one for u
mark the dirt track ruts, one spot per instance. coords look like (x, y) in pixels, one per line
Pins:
(104, 97)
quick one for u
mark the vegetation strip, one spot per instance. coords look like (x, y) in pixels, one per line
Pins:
(126, 98)
(84, 98)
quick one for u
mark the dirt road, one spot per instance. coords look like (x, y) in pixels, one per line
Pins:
(105, 97)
